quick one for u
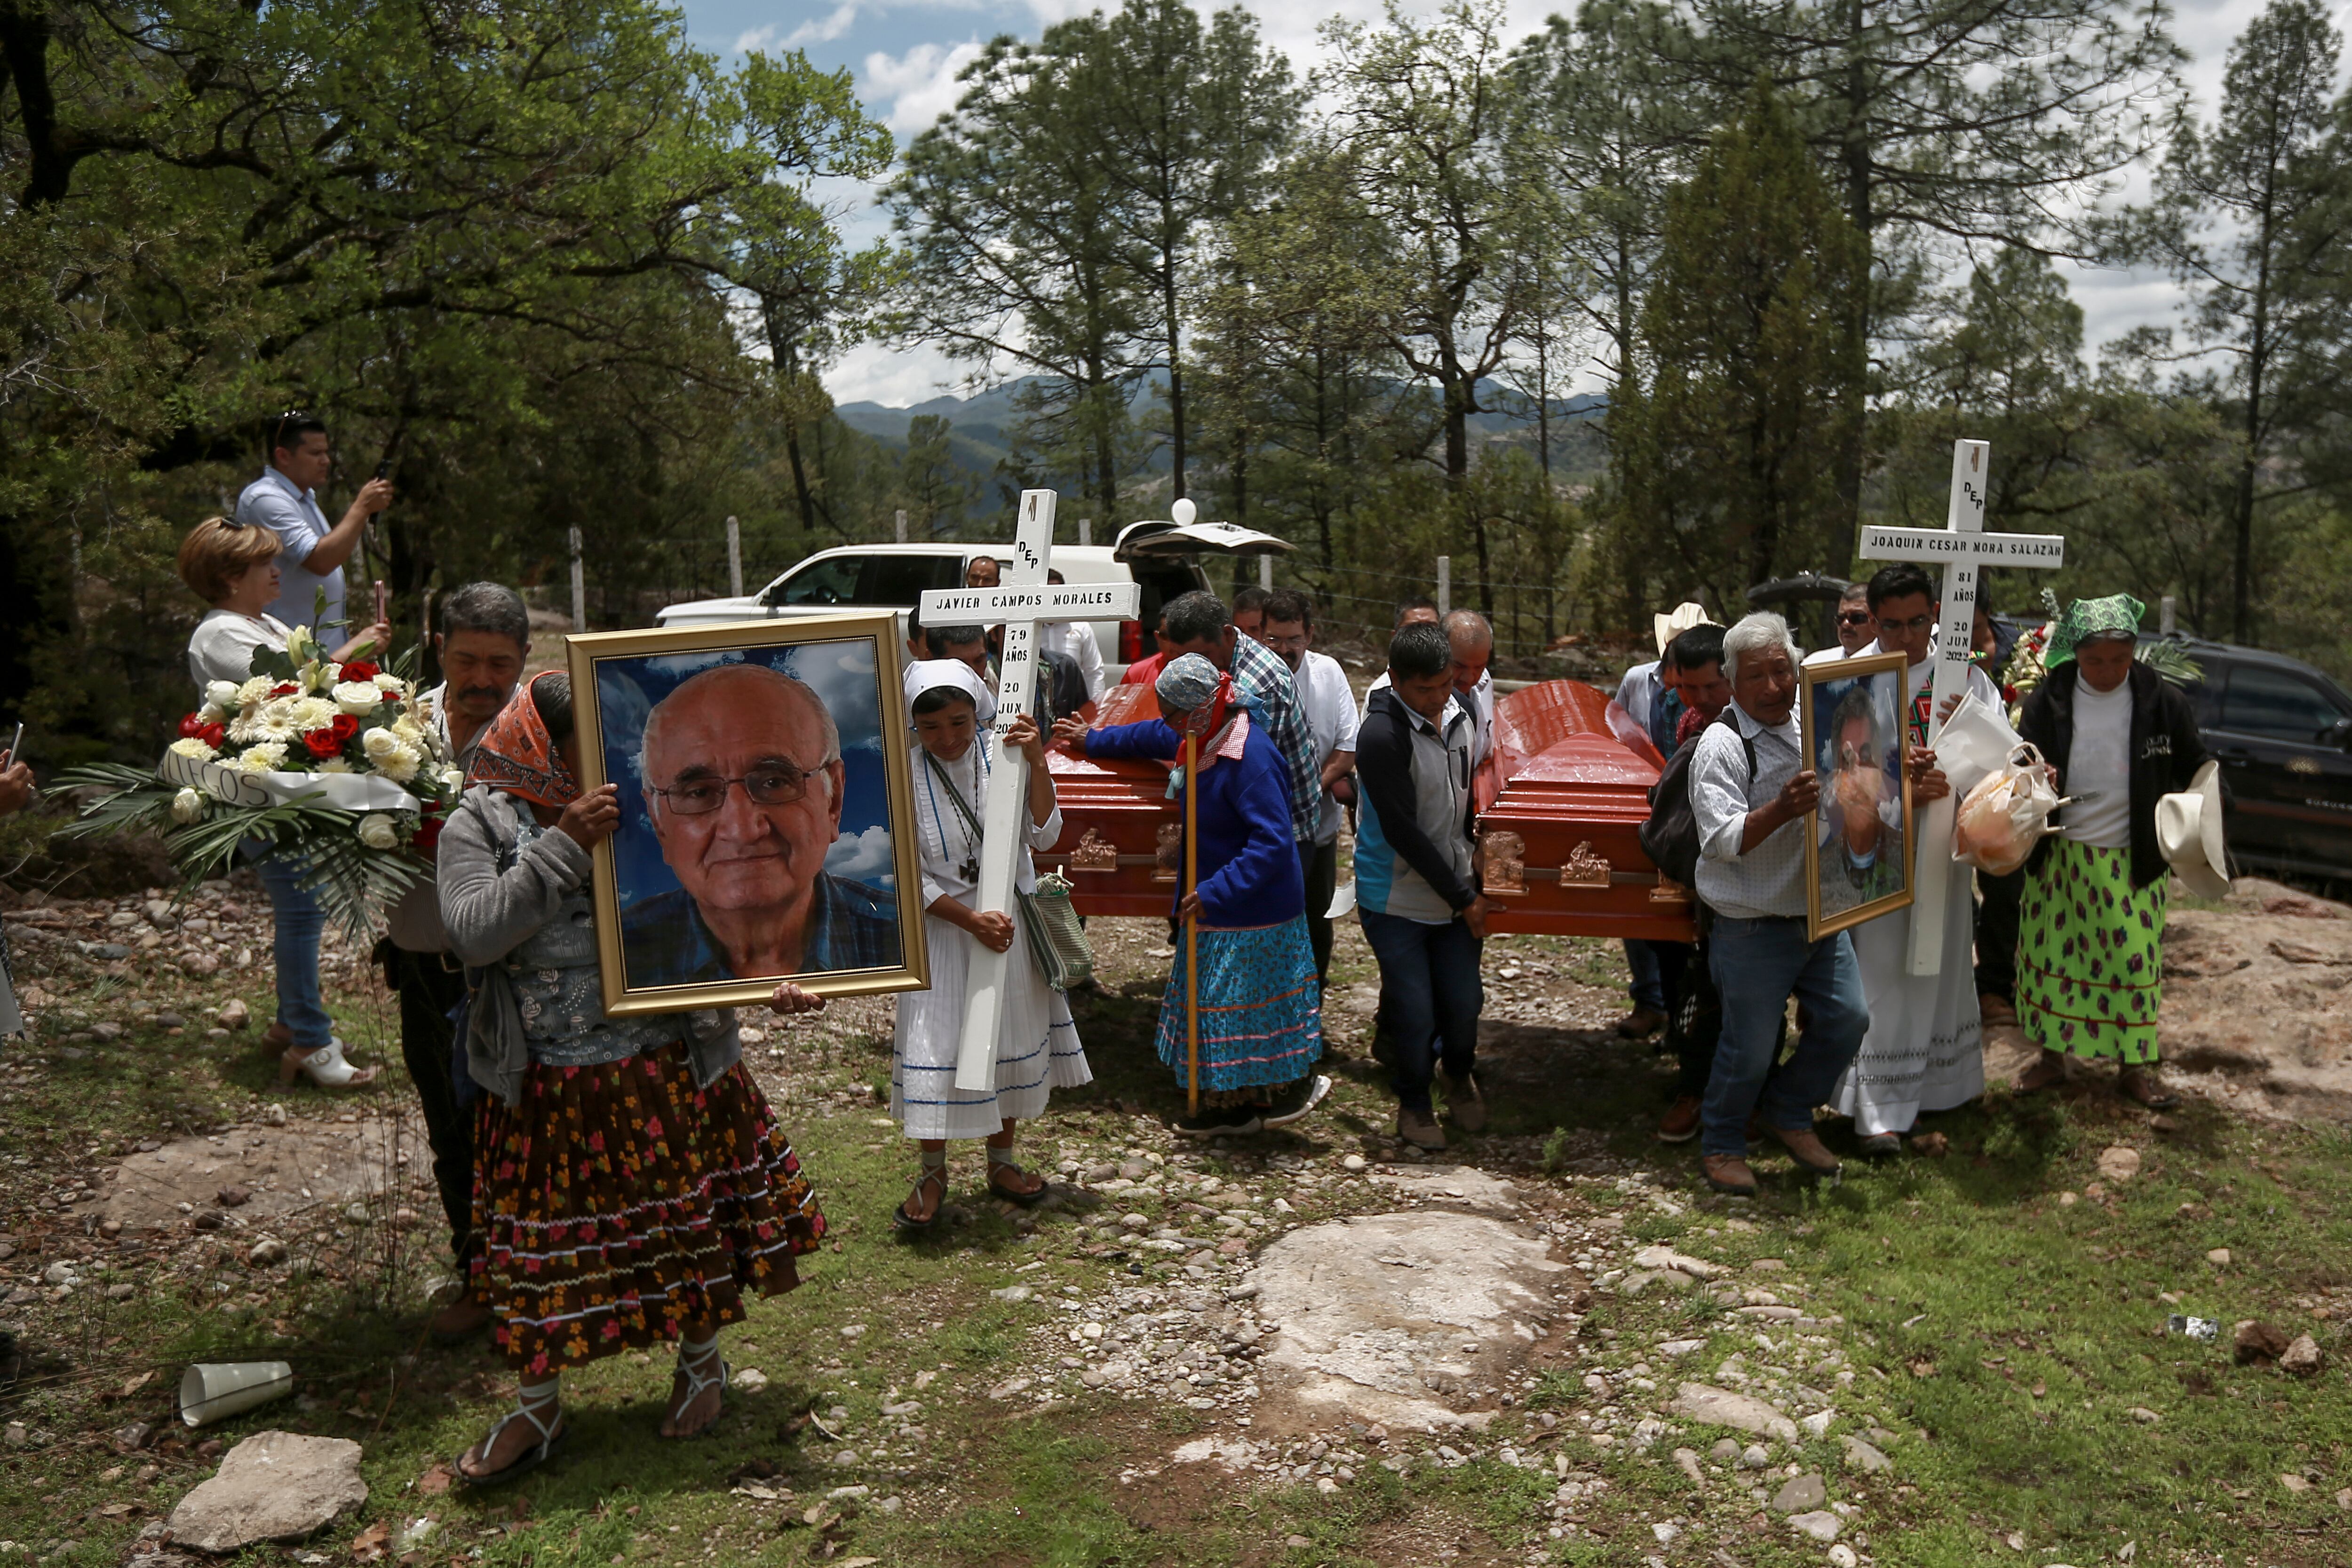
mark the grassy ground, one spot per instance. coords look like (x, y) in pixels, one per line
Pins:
(2000, 1313)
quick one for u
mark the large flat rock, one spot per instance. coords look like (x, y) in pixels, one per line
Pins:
(2254, 1001)
(274, 1486)
(282, 1169)
(1405, 1318)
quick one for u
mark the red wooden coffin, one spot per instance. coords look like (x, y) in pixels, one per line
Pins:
(1562, 799)
(1121, 842)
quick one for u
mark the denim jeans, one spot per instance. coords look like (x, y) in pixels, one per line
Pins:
(1430, 991)
(1649, 987)
(1321, 864)
(1757, 964)
(298, 920)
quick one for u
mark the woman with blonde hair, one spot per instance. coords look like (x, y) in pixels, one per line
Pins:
(233, 568)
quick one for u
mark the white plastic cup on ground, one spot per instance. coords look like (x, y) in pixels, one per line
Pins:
(213, 1390)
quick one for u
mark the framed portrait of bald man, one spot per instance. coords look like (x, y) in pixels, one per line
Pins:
(767, 826)
(1857, 740)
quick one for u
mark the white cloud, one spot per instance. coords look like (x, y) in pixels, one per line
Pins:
(863, 857)
(918, 85)
(843, 676)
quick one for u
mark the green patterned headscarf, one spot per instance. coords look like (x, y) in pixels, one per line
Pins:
(2086, 619)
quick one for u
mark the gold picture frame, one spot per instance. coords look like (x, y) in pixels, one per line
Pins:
(1854, 723)
(683, 899)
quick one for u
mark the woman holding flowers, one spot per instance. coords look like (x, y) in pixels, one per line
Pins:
(630, 1183)
(234, 569)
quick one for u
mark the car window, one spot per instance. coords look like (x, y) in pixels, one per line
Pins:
(832, 580)
(1160, 582)
(2274, 703)
(897, 579)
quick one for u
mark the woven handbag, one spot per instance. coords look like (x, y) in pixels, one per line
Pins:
(1049, 920)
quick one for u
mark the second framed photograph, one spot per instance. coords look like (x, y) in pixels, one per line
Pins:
(767, 828)
(1858, 853)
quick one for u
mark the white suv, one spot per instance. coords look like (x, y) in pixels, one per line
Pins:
(888, 577)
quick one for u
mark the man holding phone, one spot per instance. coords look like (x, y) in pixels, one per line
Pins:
(285, 501)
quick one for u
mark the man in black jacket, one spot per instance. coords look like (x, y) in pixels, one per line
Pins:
(2090, 956)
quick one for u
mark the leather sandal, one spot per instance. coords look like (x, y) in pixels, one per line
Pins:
(696, 1382)
(2141, 1083)
(935, 1169)
(1001, 1160)
(551, 1434)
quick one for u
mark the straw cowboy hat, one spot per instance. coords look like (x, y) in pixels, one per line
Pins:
(2189, 830)
(1685, 616)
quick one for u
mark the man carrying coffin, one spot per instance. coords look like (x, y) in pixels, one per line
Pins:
(1924, 1047)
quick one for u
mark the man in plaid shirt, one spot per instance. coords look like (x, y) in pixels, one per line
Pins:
(1199, 623)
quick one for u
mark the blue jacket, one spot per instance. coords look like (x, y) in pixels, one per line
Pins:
(1250, 874)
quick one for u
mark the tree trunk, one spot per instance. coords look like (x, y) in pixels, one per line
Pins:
(1846, 526)
(2241, 603)
(799, 474)
(1175, 375)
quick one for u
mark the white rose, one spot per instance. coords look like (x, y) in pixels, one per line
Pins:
(189, 805)
(223, 694)
(188, 746)
(379, 831)
(452, 779)
(357, 696)
(379, 743)
(211, 713)
(263, 758)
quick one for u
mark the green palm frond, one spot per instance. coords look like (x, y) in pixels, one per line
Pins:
(2171, 661)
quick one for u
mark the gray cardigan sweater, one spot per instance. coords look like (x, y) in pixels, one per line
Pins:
(489, 912)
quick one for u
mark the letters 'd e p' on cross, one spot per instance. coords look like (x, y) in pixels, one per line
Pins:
(1023, 601)
(1963, 550)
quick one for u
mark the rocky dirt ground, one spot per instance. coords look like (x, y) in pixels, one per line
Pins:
(1549, 1344)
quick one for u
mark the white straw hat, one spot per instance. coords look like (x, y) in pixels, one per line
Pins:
(2189, 830)
(1685, 616)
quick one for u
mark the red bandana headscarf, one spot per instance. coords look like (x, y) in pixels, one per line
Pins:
(517, 754)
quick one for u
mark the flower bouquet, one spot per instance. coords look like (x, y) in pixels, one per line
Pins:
(337, 766)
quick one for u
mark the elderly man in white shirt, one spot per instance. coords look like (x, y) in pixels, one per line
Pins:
(1331, 710)
(285, 500)
(1752, 795)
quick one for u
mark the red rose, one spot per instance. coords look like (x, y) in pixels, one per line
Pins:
(344, 728)
(323, 743)
(191, 728)
(213, 735)
(428, 834)
(361, 669)
(283, 689)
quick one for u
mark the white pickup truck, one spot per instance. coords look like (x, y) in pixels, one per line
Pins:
(889, 577)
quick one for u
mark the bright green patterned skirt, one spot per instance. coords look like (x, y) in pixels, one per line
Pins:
(2090, 959)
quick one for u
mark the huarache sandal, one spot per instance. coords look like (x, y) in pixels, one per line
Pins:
(935, 1170)
(324, 1067)
(553, 1430)
(1000, 1161)
(696, 1383)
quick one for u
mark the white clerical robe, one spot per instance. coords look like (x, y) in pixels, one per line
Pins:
(1924, 1047)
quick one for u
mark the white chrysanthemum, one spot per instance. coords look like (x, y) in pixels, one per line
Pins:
(378, 831)
(393, 683)
(189, 806)
(188, 746)
(223, 694)
(400, 767)
(409, 730)
(357, 696)
(311, 713)
(255, 690)
(266, 757)
(335, 765)
(274, 720)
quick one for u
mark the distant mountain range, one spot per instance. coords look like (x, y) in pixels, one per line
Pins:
(980, 428)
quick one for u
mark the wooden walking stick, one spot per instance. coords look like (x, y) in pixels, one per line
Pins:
(1192, 924)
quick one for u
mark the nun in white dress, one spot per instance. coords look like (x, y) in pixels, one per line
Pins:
(1039, 1052)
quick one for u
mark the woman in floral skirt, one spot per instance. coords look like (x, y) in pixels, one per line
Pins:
(630, 1182)
(2090, 959)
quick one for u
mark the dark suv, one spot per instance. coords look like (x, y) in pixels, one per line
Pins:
(2283, 734)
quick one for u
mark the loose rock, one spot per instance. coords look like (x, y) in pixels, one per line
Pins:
(274, 1486)
(1722, 1408)
(2119, 1162)
(2303, 1358)
(1803, 1495)
(2258, 1342)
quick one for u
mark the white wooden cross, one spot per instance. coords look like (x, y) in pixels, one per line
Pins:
(1022, 600)
(1963, 548)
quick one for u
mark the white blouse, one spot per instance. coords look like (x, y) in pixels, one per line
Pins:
(949, 846)
(222, 648)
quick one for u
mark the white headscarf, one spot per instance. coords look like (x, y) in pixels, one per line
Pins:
(924, 674)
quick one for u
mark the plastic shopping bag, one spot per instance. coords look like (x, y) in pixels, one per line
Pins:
(2006, 814)
(1974, 742)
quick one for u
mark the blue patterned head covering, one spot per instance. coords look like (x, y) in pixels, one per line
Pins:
(1188, 681)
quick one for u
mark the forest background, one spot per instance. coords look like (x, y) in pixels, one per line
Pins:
(561, 270)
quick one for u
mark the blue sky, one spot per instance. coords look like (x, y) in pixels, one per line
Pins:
(906, 53)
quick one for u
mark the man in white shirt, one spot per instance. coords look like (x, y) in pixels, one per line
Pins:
(1330, 710)
(1752, 798)
(1077, 639)
(285, 500)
